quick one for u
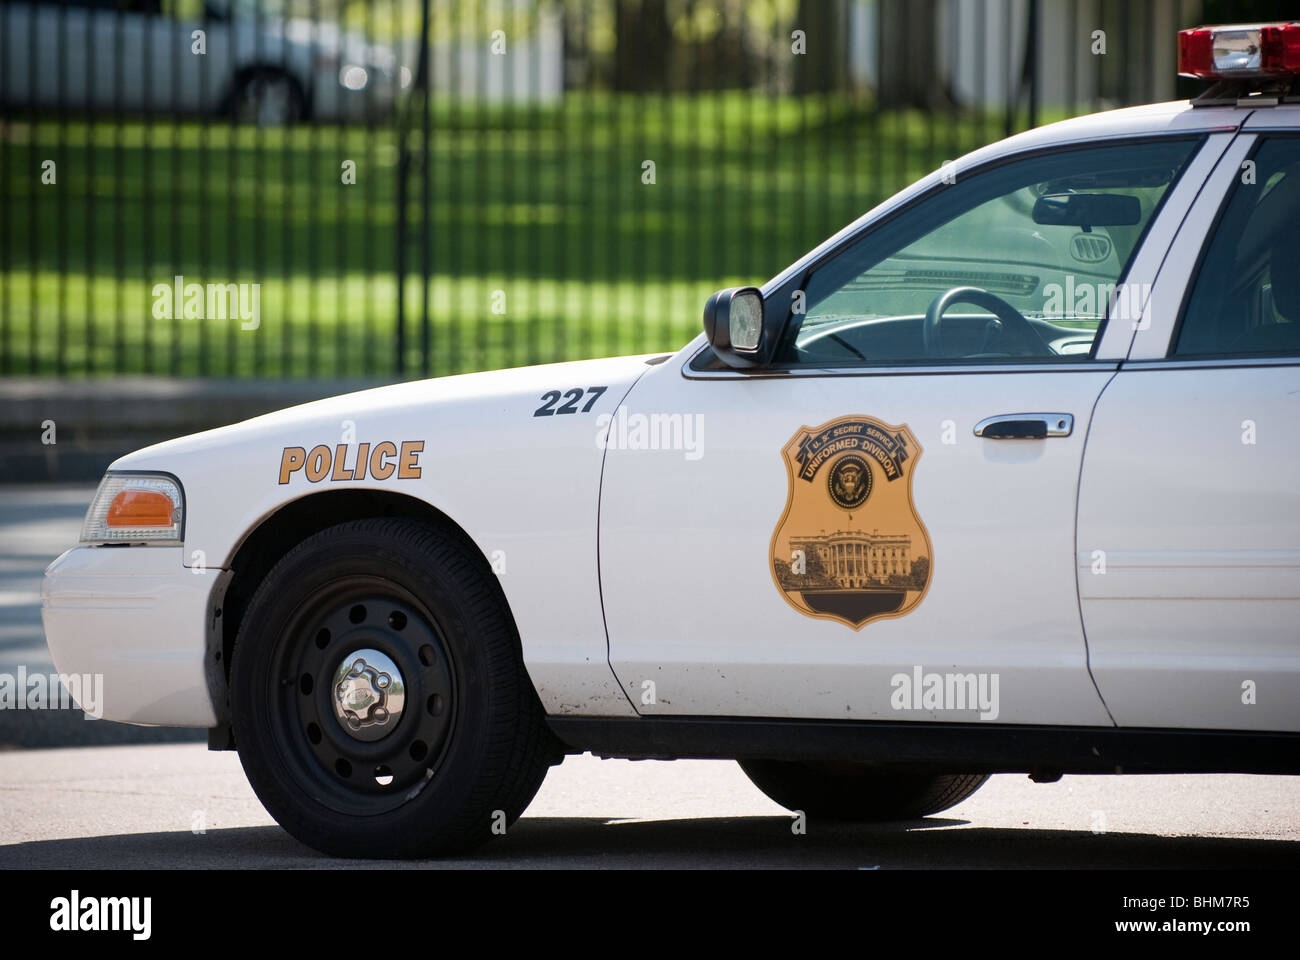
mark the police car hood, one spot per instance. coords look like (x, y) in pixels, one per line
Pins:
(491, 450)
(488, 400)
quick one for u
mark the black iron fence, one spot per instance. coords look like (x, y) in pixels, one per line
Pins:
(423, 187)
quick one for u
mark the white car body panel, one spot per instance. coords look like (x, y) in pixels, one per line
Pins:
(689, 597)
(543, 529)
(1198, 588)
(138, 618)
(1284, 116)
(729, 645)
(611, 584)
(1189, 536)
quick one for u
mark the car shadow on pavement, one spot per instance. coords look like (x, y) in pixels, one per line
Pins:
(723, 842)
(42, 729)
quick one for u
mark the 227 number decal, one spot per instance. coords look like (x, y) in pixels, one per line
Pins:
(571, 399)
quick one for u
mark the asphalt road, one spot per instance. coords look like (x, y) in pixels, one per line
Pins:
(144, 806)
(175, 805)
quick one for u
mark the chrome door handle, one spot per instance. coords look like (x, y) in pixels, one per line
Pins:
(1025, 426)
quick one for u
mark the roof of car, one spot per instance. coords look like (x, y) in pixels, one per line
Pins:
(1175, 116)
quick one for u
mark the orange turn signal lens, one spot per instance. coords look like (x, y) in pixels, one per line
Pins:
(140, 508)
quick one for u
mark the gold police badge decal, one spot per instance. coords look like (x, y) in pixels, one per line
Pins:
(850, 545)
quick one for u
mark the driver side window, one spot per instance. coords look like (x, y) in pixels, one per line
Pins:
(1016, 263)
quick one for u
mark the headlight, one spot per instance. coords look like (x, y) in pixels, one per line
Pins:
(136, 508)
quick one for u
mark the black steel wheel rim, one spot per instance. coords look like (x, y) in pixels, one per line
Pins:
(327, 632)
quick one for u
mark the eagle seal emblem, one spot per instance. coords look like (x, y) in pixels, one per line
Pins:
(849, 482)
(850, 545)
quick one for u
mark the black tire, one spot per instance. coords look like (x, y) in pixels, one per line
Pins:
(267, 97)
(469, 745)
(857, 792)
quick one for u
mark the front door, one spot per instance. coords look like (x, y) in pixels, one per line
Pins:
(881, 526)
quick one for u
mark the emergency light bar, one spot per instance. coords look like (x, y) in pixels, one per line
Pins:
(1240, 51)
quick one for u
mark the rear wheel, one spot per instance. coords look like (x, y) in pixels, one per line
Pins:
(267, 97)
(856, 791)
(379, 703)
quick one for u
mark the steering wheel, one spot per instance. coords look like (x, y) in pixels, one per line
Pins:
(1020, 330)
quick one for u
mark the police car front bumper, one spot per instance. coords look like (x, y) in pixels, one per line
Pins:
(137, 617)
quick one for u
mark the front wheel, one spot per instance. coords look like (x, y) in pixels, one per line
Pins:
(858, 792)
(379, 703)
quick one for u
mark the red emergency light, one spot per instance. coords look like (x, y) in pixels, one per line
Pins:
(1240, 50)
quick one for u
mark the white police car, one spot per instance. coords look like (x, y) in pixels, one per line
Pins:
(1002, 477)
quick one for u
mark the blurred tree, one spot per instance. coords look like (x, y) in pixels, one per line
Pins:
(645, 44)
(825, 65)
(717, 47)
(920, 572)
(907, 55)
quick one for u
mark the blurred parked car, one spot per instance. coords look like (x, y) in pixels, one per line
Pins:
(258, 64)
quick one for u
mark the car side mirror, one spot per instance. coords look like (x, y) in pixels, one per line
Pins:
(733, 322)
(1087, 210)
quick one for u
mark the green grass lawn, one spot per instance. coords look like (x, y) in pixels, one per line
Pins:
(545, 205)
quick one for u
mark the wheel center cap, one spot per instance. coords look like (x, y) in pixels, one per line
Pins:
(368, 694)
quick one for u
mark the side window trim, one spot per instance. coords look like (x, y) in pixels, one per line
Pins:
(701, 370)
(1154, 337)
(1161, 237)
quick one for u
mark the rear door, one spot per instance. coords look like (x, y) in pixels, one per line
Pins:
(1189, 512)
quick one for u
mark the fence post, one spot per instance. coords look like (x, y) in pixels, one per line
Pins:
(426, 224)
(1031, 62)
(420, 85)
